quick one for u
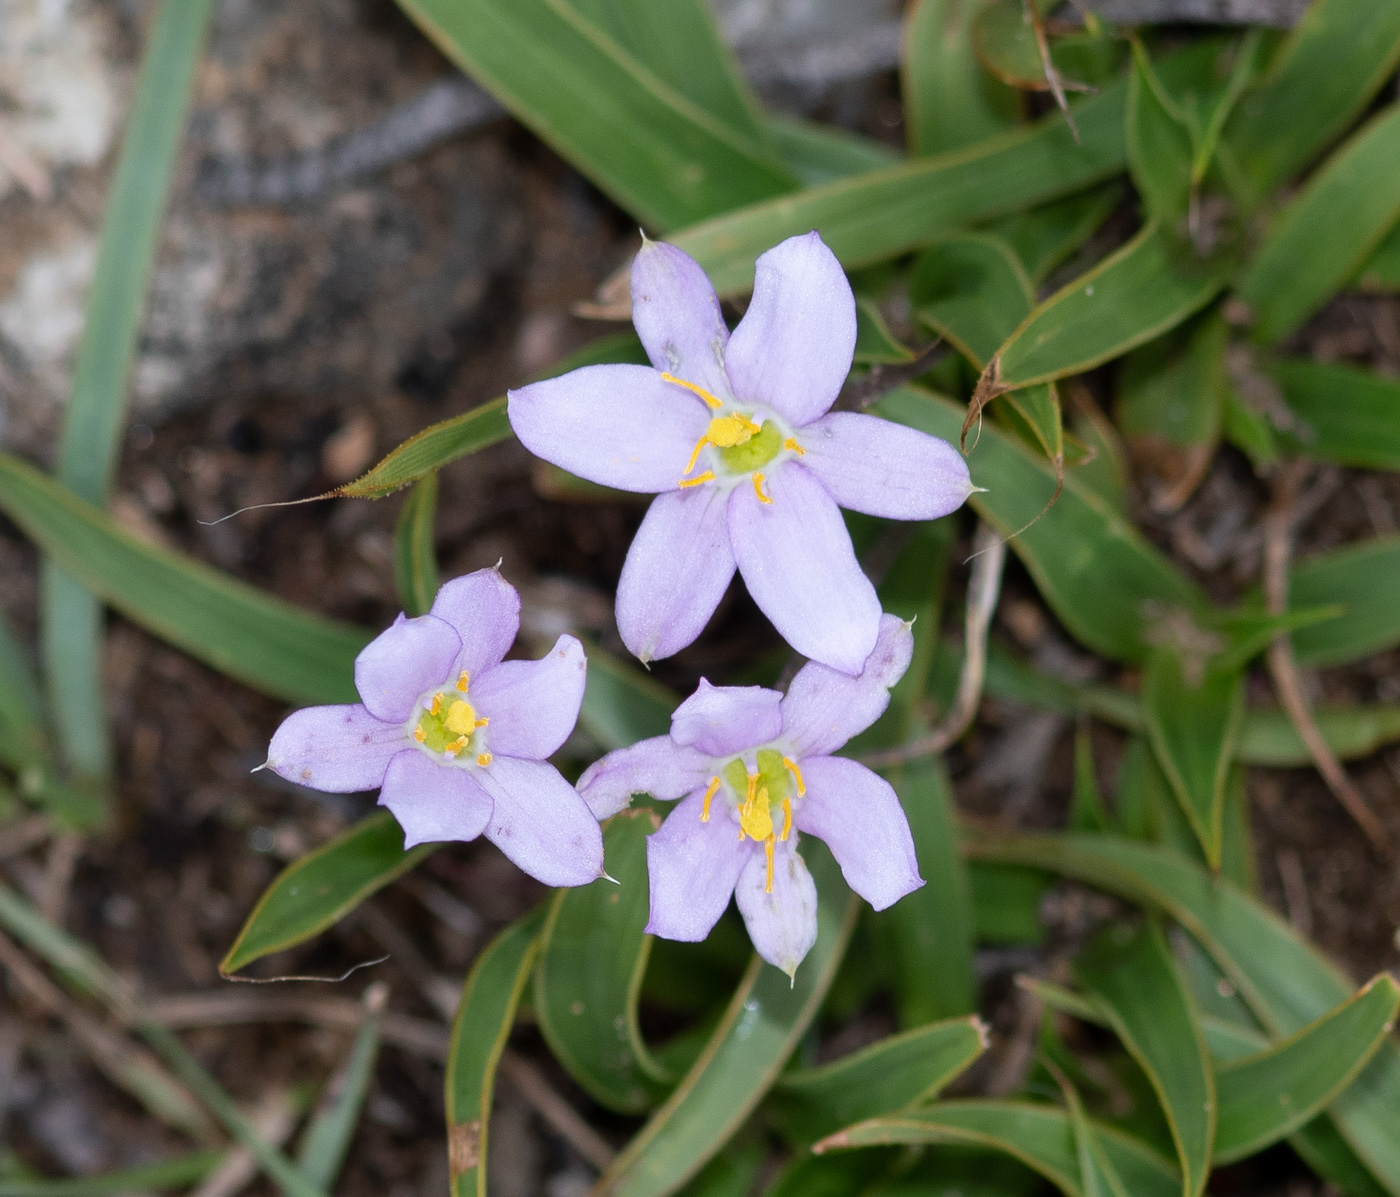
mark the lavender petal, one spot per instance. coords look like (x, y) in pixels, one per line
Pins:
(881, 468)
(620, 426)
(532, 705)
(693, 867)
(340, 750)
(659, 767)
(858, 815)
(824, 707)
(723, 720)
(541, 823)
(793, 348)
(404, 660)
(433, 803)
(485, 610)
(782, 924)
(796, 558)
(676, 572)
(677, 316)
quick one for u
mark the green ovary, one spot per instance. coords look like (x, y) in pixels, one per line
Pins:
(443, 731)
(754, 453)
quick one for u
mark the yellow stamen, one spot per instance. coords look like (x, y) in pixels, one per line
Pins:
(483, 721)
(791, 766)
(461, 718)
(709, 793)
(707, 476)
(787, 819)
(752, 791)
(419, 734)
(692, 388)
(724, 432)
(768, 852)
(457, 745)
(436, 707)
(758, 490)
(792, 445)
(463, 679)
(483, 759)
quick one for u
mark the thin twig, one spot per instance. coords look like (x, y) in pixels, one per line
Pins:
(58, 877)
(983, 589)
(531, 1084)
(1053, 78)
(1279, 525)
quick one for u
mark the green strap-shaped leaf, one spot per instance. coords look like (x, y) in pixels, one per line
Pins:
(621, 704)
(1333, 63)
(1159, 145)
(1328, 231)
(834, 1175)
(22, 738)
(1045, 236)
(594, 950)
(1265, 1096)
(949, 100)
(1341, 413)
(320, 888)
(762, 1024)
(479, 1033)
(818, 154)
(679, 42)
(1193, 723)
(415, 554)
(872, 217)
(1285, 981)
(653, 149)
(1382, 269)
(1040, 1136)
(1136, 983)
(875, 343)
(972, 290)
(1094, 569)
(327, 1136)
(244, 632)
(1138, 292)
(177, 1173)
(886, 1076)
(90, 441)
(1364, 577)
(1174, 394)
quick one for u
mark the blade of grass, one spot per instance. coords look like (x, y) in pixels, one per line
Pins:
(71, 618)
(177, 1173)
(415, 557)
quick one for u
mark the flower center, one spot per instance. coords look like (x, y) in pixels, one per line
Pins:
(753, 796)
(449, 725)
(742, 446)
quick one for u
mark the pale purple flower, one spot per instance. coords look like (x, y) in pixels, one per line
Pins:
(753, 768)
(455, 738)
(734, 435)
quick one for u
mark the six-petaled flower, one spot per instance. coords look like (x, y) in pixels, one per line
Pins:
(455, 737)
(753, 768)
(735, 435)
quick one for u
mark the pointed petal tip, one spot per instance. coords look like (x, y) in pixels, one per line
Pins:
(267, 764)
(604, 875)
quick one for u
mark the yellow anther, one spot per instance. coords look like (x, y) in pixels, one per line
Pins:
(787, 819)
(692, 388)
(483, 721)
(419, 734)
(709, 793)
(792, 445)
(457, 745)
(463, 680)
(768, 852)
(724, 432)
(758, 490)
(707, 476)
(461, 718)
(483, 759)
(436, 707)
(752, 790)
(755, 817)
(791, 766)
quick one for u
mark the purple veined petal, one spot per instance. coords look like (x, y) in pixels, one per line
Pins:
(782, 924)
(882, 468)
(676, 572)
(620, 426)
(793, 348)
(404, 660)
(341, 750)
(659, 767)
(541, 823)
(433, 803)
(485, 610)
(532, 705)
(692, 867)
(677, 316)
(723, 720)
(824, 707)
(796, 558)
(858, 815)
